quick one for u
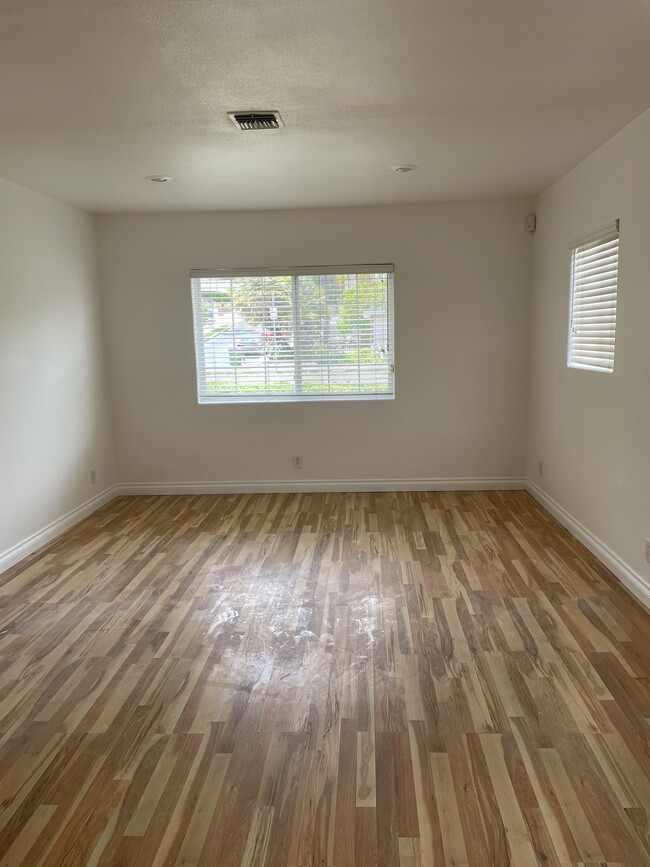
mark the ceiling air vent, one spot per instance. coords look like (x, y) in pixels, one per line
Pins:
(256, 119)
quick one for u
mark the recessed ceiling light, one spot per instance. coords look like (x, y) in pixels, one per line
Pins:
(406, 167)
(158, 179)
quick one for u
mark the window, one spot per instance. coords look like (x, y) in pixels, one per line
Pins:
(594, 280)
(294, 334)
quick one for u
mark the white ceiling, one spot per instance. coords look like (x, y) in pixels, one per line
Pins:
(491, 98)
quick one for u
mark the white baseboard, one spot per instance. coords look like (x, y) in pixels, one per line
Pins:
(635, 583)
(304, 486)
(32, 543)
(41, 537)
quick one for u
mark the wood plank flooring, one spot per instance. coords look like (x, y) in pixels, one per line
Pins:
(345, 680)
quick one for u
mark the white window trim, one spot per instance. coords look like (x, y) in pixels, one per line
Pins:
(291, 271)
(602, 234)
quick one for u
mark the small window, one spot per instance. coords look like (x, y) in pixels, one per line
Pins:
(594, 282)
(294, 334)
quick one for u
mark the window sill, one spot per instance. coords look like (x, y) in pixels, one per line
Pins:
(316, 398)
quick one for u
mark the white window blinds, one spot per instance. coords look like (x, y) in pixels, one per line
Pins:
(594, 282)
(294, 334)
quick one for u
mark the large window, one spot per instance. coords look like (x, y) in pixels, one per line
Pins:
(294, 334)
(594, 285)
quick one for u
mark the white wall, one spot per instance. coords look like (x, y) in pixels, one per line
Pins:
(592, 430)
(461, 307)
(54, 421)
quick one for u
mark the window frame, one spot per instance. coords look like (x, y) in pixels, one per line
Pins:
(294, 272)
(601, 235)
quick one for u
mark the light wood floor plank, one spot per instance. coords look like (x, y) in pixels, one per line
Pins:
(322, 680)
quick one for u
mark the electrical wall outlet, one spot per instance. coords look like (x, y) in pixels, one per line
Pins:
(647, 550)
(93, 477)
(297, 462)
(540, 469)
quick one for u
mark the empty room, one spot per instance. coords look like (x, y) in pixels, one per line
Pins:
(324, 433)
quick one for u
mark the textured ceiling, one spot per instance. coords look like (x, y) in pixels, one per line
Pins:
(490, 99)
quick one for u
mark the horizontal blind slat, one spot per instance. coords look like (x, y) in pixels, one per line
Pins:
(595, 258)
(582, 275)
(598, 287)
(596, 251)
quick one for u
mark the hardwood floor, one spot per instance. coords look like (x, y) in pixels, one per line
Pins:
(405, 680)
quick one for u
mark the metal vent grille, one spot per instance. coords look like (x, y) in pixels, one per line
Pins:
(246, 120)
